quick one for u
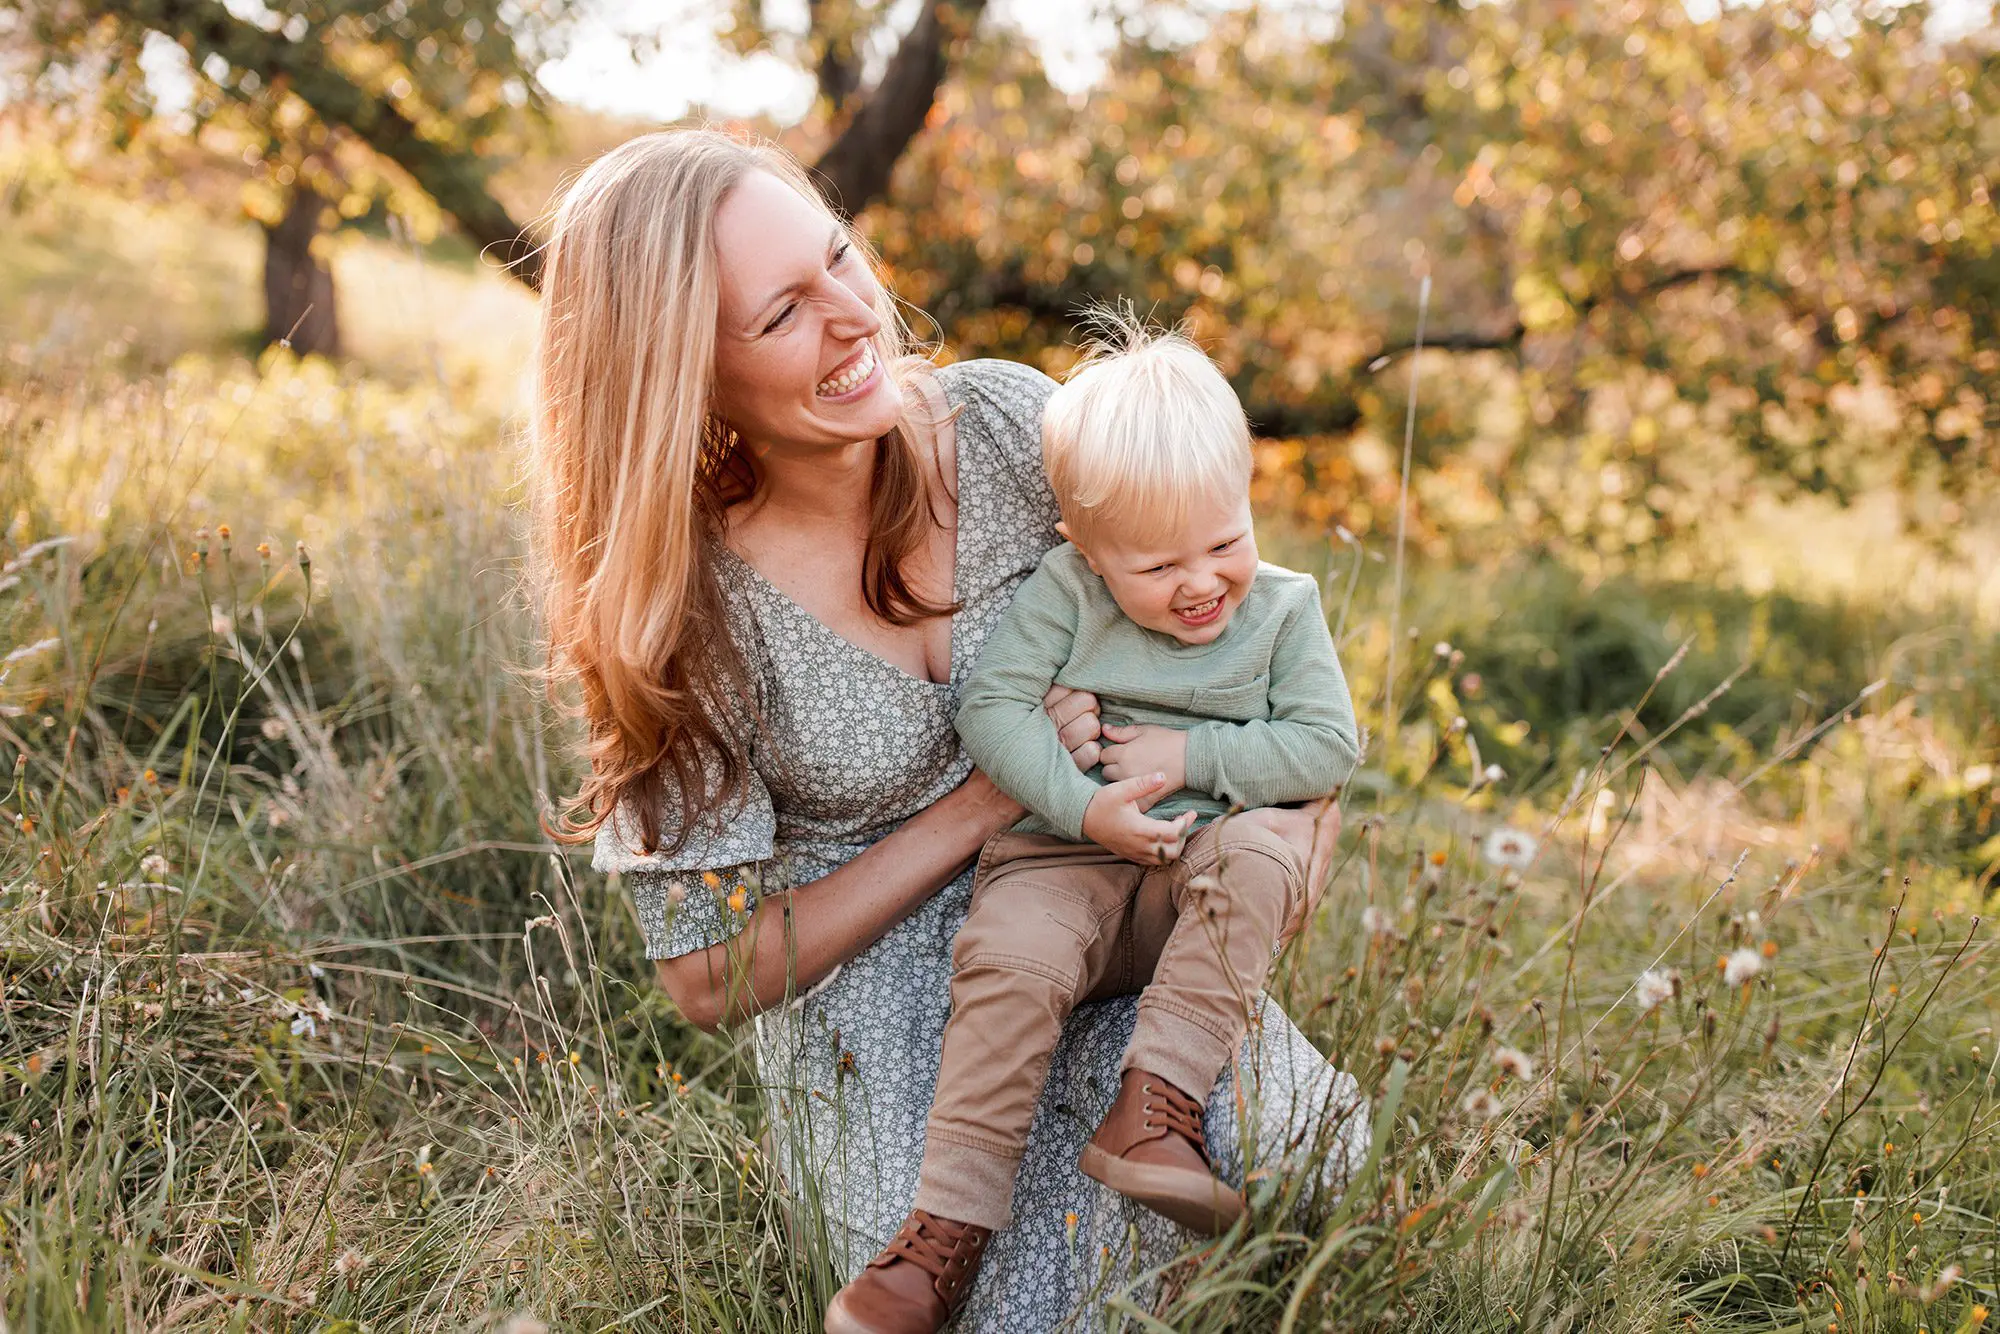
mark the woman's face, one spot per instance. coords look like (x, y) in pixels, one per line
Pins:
(797, 362)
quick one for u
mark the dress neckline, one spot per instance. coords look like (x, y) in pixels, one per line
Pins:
(933, 391)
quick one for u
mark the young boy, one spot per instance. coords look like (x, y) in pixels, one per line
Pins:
(1219, 688)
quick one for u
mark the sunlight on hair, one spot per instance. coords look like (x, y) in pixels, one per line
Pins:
(1144, 427)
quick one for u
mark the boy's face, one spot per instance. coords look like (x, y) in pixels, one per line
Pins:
(1188, 585)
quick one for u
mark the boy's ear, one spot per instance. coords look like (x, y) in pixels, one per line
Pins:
(1063, 529)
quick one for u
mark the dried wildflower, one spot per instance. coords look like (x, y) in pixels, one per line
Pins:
(30, 650)
(739, 898)
(350, 1263)
(272, 728)
(1480, 1105)
(154, 867)
(677, 893)
(1510, 848)
(1741, 967)
(1769, 949)
(1376, 922)
(1940, 1285)
(303, 1025)
(1654, 989)
(711, 879)
(150, 777)
(1513, 1061)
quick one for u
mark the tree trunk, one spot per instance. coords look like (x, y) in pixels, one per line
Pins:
(298, 286)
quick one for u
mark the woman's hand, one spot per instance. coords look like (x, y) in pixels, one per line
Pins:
(1313, 830)
(1074, 712)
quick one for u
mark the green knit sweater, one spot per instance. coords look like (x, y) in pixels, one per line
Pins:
(1265, 705)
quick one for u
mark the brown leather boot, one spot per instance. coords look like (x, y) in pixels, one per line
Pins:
(916, 1284)
(1150, 1148)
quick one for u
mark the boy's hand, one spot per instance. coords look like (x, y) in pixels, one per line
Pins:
(1145, 749)
(1116, 821)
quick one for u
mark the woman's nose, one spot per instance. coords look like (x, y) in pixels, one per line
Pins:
(849, 316)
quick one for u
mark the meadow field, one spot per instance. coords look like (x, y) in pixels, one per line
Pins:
(1657, 938)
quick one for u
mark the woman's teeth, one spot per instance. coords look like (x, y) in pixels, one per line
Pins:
(833, 386)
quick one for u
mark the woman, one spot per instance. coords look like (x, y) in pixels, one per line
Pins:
(771, 545)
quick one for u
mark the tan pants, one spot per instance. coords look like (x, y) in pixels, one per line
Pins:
(1054, 923)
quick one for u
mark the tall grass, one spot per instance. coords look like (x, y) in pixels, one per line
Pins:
(1680, 1019)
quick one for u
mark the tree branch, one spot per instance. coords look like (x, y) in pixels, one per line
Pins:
(854, 170)
(456, 180)
(837, 75)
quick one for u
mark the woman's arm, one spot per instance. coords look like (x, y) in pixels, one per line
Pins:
(834, 918)
(837, 916)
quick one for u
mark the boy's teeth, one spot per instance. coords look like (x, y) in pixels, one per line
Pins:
(834, 385)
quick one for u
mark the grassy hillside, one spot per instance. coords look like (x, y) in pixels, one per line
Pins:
(1681, 1021)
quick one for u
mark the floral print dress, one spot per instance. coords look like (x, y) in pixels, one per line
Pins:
(852, 746)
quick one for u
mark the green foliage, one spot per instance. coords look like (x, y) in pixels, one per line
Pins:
(1763, 237)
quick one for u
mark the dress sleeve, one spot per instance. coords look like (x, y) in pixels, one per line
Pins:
(1008, 398)
(688, 899)
(702, 893)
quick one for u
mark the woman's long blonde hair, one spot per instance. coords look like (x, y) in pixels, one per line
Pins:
(630, 474)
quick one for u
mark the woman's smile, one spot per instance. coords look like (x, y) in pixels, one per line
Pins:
(852, 377)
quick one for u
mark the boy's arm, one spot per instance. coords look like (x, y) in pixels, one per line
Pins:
(1000, 717)
(1311, 743)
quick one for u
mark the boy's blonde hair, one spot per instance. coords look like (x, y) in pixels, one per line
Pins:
(1143, 429)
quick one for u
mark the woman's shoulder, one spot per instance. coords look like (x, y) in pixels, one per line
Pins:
(1006, 396)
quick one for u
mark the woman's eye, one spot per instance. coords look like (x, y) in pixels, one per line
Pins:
(839, 254)
(781, 317)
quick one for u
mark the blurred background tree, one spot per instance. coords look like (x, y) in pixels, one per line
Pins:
(1679, 264)
(411, 106)
(1765, 239)
(340, 108)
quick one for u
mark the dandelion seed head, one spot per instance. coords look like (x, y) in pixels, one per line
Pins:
(1654, 988)
(1741, 967)
(1510, 848)
(1515, 1062)
(1480, 1105)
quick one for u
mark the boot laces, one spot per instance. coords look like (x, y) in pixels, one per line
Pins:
(927, 1241)
(1175, 1111)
